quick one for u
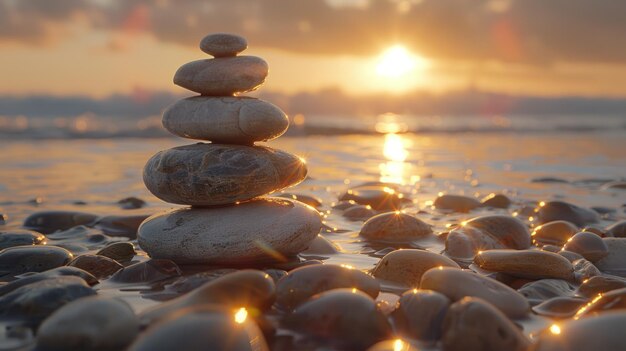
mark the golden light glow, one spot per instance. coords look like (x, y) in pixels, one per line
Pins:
(241, 315)
(395, 170)
(394, 148)
(397, 61)
(398, 345)
(555, 329)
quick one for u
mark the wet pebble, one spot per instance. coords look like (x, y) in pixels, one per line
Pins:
(394, 227)
(463, 332)
(599, 285)
(530, 264)
(34, 302)
(456, 203)
(346, 318)
(554, 233)
(20, 237)
(359, 212)
(310, 200)
(377, 197)
(611, 300)
(617, 230)
(223, 44)
(615, 262)
(47, 222)
(302, 283)
(22, 259)
(49, 274)
(564, 211)
(122, 252)
(420, 313)
(496, 201)
(203, 328)
(100, 266)
(91, 323)
(147, 272)
(588, 245)
(584, 269)
(124, 226)
(560, 307)
(321, 246)
(457, 284)
(545, 289)
(129, 203)
(548, 180)
(571, 256)
(407, 266)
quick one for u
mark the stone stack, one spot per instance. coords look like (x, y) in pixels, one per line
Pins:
(228, 221)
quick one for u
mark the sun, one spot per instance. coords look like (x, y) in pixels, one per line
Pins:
(397, 61)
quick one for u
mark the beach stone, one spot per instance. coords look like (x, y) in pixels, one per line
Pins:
(588, 245)
(463, 332)
(563, 211)
(310, 200)
(457, 284)
(233, 234)
(419, 314)
(124, 226)
(407, 266)
(551, 248)
(91, 323)
(20, 237)
(393, 227)
(249, 288)
(34, 302)
(223, 44)
(617, 230)
(554, 233)
(130, 203)
(344, 205)
(22, 259)
(615, 262)
(377, 197)
(99, 266)
(321, 246)
(347, 318)
(47, 222)
(147, 272)
(608, 301)
(202, 328)
(393, 345)
(548, 180)
(222, 76)
(530, 264)
(602, 332)
(358, 212)
(217, 174)
(597, 231)
(571, 256)
(486, 233)
(560, 307)
(544, 289)
(121, 252)
(599, 285)
(456, 203)
(621, 185)
(49, 274)
(225, 119)
(496, 201)
(584, 269)
(302, 283)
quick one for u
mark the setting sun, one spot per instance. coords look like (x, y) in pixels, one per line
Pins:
(397, 61)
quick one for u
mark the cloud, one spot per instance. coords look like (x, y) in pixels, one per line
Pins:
(526, 31)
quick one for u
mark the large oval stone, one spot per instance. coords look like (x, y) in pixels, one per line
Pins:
(259, 230)
(406, 267)
(531, 264)
(217, 174)
(17, 260)
(228, 120)
(20, 237)
(222, 76)
(457, 284)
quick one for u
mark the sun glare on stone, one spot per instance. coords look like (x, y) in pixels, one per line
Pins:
(241, 315)
(397, 61)
(555, 329)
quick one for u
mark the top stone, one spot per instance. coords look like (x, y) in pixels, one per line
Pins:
(223, 44)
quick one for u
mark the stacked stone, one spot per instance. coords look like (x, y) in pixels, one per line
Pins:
(224, 182)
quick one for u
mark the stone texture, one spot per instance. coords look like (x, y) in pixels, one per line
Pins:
(259, 230)
(554, 233)
(420, 313)
(217, 174)
(406, 267)
(456, 203)
(17, 260)
(222, 76)
(223, 44)
(563, 211)
(589, 245)
(228, 120)
(393, 227)
(20, 237)
(531, 264)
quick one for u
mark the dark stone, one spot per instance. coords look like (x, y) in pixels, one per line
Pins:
(22, 259)
(125, 226)
(130, 203)
(50, 221)
(19, 237)
(146, 272)
(563, 211)
(100, 266)
(64, 271)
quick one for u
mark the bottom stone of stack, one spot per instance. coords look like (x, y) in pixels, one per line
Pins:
(259, 230)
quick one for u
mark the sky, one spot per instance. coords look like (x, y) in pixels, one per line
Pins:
(99, 48)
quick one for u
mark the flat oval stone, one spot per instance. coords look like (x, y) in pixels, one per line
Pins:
(47, 222)
(91, 323)
(99, 266)
(218, 174)
(302, 283)
(473, 324)
(407, 266)
(544, 289)
(120, 251)
(223, 44)
(615, 262)
(419, 314)
(310, 200)
(202, 328)
(554, 233)
(457, 284)
(347, 318)
(531, 264)
(377, 197)
(22, 259)
(602, 332)
(228, 120)
(486, 233)
(49, 274)
(599, 285)
(358, 212)
(496, 201)
(456, 203)
(125, 226)
(147, 272)
(249, 288)
(20, 237)
(612, 300)
(563, 211)
(393, 227)
(263, 229)
(589, 245)
(559, 307)
(222, 76)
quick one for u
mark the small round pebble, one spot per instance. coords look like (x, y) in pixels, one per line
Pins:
(554, 233)
(419, 314)
(394, 226)
(407, 266)
(589, 245)
(19, 237)
(456, 203)
(223, 44)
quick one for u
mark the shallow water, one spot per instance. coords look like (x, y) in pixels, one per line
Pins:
(41, 175)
